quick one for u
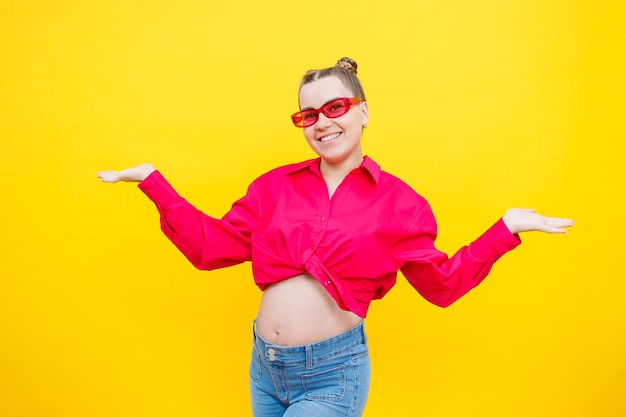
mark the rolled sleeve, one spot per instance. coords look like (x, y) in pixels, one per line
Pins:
(494, 243)
(159, 191)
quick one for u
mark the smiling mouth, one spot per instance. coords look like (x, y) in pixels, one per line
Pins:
(329, 137)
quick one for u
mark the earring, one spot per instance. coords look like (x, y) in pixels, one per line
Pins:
(364, 125)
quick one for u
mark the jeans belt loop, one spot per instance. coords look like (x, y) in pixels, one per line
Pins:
(309, 356)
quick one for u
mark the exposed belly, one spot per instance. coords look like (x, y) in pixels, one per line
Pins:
(298, 311)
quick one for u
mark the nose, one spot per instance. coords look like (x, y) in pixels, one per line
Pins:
(323, 122)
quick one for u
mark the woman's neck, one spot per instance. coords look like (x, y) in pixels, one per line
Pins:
(334, 174)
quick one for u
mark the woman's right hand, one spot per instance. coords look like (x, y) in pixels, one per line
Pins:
(526, 220)
(134, 174)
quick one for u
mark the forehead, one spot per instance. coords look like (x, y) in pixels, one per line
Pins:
(318, 92)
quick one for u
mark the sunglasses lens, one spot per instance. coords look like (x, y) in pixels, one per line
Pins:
(336, 108)
(309, 117)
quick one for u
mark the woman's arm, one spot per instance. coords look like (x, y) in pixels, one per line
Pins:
(207, 242)
(442, 279)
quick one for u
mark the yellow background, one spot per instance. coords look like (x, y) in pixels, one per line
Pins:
(479, 105)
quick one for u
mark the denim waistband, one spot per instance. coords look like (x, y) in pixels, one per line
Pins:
(310, 353)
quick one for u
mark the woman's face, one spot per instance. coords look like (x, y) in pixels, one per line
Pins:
(336, 141)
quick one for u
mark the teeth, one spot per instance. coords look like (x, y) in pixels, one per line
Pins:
(329, 137)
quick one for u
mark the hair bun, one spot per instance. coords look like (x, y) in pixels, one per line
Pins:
(347, 64)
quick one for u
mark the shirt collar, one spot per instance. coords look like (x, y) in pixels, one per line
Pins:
(368, 165)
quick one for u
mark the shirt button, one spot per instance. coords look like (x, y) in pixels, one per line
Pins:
(323, 219)
(327, 283)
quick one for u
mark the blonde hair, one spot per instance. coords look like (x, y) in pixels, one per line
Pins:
(344, 69)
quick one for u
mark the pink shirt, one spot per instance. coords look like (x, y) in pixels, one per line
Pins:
(353, 243)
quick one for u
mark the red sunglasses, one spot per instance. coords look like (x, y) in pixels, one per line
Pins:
(334, 108)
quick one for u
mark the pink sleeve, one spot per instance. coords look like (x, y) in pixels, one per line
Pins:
(208, 243)
(443, 280)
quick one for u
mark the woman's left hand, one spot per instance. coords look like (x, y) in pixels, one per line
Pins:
(526, 220)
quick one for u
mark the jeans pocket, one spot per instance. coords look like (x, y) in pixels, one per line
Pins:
(329, 385)
(360, 356)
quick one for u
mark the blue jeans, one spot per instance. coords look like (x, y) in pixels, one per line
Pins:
(330, 378)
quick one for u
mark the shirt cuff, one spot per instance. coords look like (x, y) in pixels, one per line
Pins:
(156, 187)
(494, 243)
